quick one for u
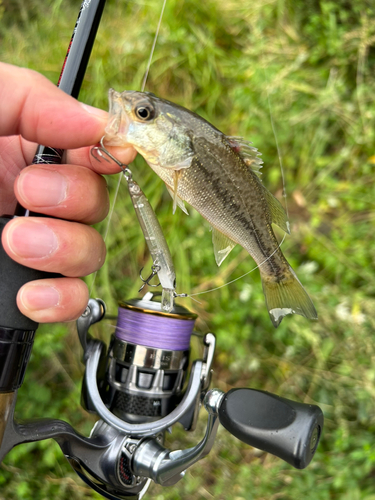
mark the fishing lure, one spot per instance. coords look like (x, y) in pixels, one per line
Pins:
(157, 245)
(152, 231)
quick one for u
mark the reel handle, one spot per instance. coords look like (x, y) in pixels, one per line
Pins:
(285, 428)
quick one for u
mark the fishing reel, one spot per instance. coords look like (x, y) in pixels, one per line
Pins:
(141, 386)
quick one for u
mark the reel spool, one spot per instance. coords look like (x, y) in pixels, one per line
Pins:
(147, 360)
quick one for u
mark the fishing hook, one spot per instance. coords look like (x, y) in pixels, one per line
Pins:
(102, 151)
(155, 269)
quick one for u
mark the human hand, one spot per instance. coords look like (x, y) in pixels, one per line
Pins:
(34, 111)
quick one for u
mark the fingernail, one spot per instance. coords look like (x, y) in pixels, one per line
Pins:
(42, 188)
(95, 111)
(32, 240)
(37, 297)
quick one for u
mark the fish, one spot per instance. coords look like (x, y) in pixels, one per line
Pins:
(219, 176)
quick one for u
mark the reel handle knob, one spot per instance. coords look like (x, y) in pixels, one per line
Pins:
(285, 428)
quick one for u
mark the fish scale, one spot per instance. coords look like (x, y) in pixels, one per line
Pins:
(218, 176)
(258, 239)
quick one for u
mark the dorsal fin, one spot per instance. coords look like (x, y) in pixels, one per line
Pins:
(278, 214)
(248, 153)
(250, 156)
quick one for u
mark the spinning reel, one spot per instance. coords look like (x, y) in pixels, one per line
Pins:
(139, 387)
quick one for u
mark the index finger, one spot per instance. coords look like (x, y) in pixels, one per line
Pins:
(35, 108)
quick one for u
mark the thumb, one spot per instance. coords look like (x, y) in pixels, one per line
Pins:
(35, 108)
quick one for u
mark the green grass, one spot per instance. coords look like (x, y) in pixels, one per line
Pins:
(310, 65)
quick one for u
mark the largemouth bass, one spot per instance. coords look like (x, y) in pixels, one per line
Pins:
(219, 176)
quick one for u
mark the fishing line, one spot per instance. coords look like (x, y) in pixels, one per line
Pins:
(120, 176)
(277, 146)
(168, 332)
(240, 277)
(107, 229)
(153, 47)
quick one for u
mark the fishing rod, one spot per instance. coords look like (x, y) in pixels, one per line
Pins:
(17, 332)
(144, 381)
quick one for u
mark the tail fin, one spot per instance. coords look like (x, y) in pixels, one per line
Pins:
(287, 297)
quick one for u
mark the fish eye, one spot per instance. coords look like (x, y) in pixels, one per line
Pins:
(145, 112)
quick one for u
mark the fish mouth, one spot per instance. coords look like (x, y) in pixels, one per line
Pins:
(117, 127)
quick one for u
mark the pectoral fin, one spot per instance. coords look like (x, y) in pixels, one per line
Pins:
(222, 245)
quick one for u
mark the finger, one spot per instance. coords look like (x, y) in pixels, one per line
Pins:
(87, 158)
(36, 109)
(64, 191)
(53, 300)
(54, 245)
(100, 164)
(11, 160)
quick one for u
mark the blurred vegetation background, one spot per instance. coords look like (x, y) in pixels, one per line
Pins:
(308, 65)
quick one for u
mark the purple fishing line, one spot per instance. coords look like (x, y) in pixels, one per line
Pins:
(151, 330)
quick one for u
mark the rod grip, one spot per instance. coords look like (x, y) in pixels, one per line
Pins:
(287, 429)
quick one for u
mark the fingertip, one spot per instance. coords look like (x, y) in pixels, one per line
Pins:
(124, 154)
(61, 191)
(102, 164)
(53, 300)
